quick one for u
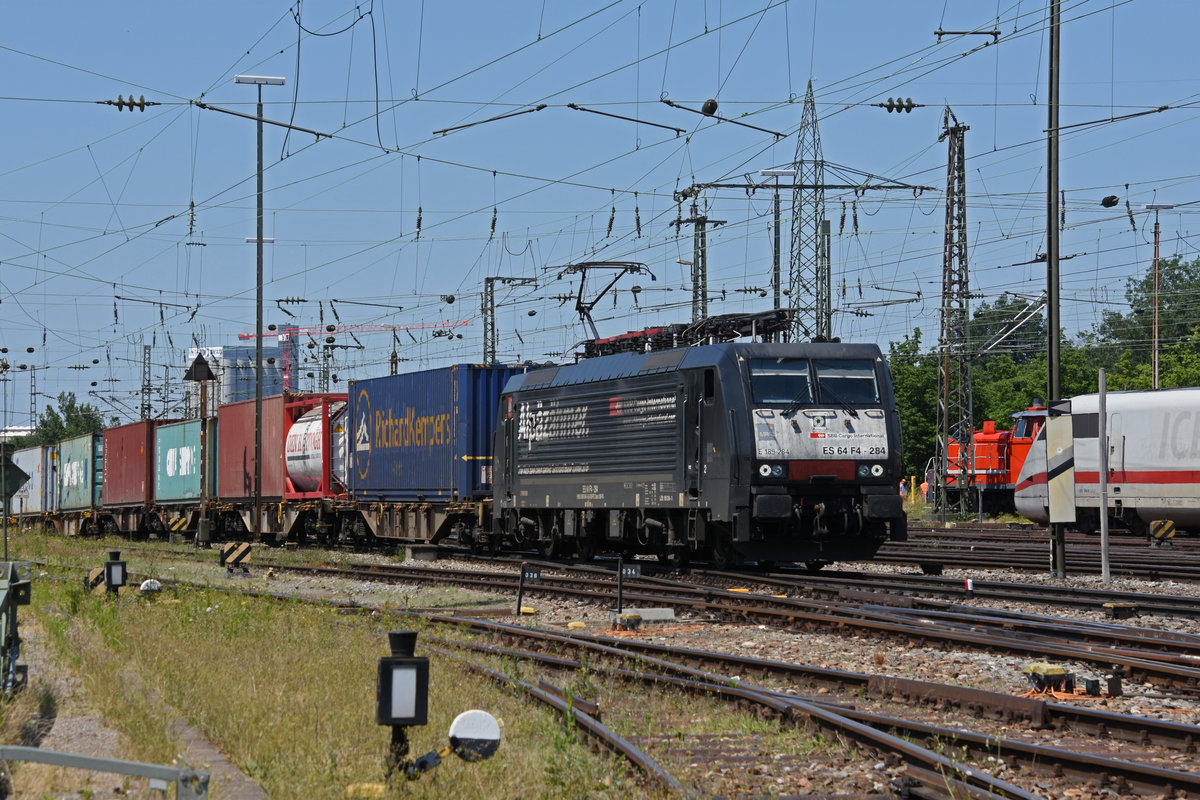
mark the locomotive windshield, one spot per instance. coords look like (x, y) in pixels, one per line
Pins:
(799, 382)
(780, 380)
(849, 381)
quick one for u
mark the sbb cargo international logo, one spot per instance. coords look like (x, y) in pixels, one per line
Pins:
(362, 433)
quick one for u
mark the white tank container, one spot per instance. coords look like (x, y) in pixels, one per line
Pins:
(305, 449)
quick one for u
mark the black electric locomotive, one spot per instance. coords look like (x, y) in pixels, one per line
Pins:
(741, 451)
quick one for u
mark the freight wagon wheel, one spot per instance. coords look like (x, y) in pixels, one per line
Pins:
(586, 548)
(674, 557)
(552, 547)
(723, 555)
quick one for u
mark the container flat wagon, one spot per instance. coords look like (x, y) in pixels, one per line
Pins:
(128, 483)
(420, 452)
(183, 476)
(80, 480)
(36, 496)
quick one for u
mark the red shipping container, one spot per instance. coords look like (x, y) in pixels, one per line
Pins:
(235, 449)
(129, 465)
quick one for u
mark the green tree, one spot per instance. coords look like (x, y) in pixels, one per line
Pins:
(914, 376)
(1132, 332)
(68, 420)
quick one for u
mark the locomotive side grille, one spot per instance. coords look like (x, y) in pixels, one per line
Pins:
(600, 430)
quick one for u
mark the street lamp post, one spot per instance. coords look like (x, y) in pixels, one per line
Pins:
(1155, 207)
(259, 81)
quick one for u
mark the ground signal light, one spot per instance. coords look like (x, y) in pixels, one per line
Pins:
(899, 105)
(115, 572)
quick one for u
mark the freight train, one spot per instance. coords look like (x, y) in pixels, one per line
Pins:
(1153, 462)
(735, 451)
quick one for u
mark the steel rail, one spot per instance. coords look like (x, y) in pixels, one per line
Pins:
(591, 726)
(1145, 777)
(785, 612)
(1142, 776)
(825, 715)
(1039, 713)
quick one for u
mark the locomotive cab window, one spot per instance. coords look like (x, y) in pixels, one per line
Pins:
(850, 381)
(1025, 427)
(780, 380)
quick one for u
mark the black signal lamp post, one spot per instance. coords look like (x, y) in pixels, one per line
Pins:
(115, 573)
(402, 693)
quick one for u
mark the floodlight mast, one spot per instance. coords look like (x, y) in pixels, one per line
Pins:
(259, 81)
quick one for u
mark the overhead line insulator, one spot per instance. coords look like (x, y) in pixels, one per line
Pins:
(123, 103)
(900, 104)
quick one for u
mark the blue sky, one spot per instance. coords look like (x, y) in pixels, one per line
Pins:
(120, 229)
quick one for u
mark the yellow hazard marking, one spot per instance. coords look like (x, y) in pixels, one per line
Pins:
(1162, 529)
(95, 577)
(236, 552)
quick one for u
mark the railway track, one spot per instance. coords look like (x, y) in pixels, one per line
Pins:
(935, 738)
(1170, 661)
(975, 546)
(898, 733)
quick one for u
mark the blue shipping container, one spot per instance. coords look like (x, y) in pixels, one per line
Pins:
(425, 436)
(80, 472)
(177, 457)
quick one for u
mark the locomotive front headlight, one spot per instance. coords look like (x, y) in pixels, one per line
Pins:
(863, 470)
(777, 471)
(765, 470)
(877, 470)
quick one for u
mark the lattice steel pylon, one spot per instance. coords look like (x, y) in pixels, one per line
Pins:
(954, 377)
(488, 308)
(809, 279)
(145, 409)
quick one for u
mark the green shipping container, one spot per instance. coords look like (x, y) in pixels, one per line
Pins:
(177, 457)
(80, 472)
